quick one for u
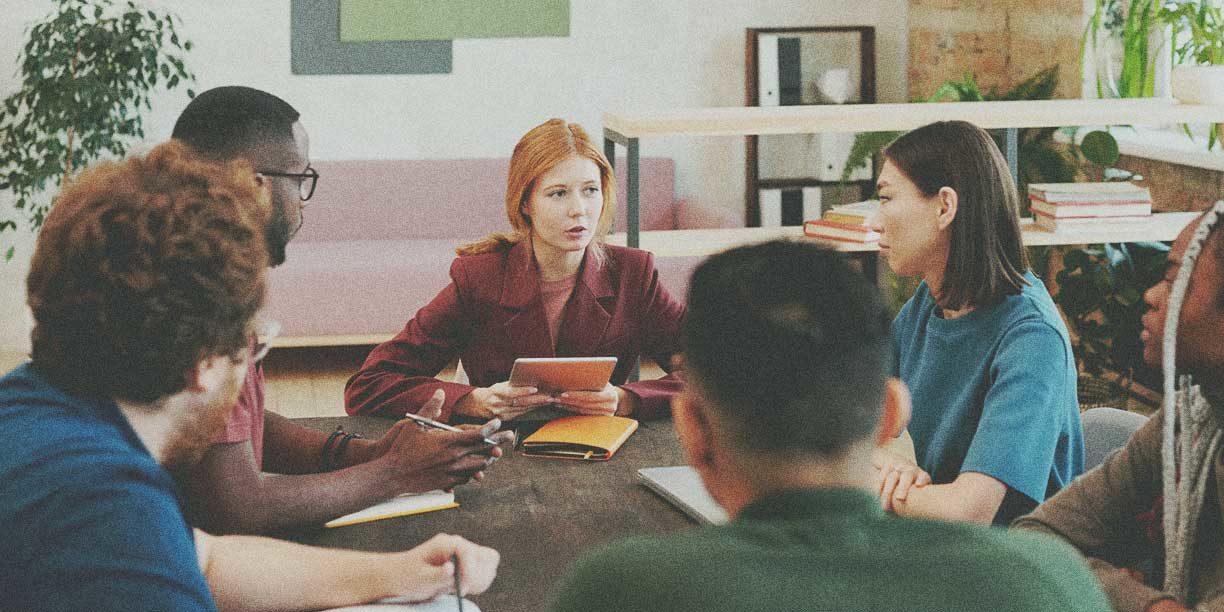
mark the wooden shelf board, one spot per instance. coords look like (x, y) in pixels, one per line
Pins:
(704, 242)
(750, 120)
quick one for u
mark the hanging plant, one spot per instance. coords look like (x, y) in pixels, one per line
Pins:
(87, 72)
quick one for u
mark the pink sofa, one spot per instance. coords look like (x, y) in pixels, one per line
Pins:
(380, 235)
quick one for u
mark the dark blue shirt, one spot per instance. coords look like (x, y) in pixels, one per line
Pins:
(88, 519)
(994, 392)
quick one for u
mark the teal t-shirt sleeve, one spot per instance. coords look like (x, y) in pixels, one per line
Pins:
(1023, 410)
(113, 538)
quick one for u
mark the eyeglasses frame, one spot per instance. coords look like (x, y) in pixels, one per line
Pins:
(310, 173)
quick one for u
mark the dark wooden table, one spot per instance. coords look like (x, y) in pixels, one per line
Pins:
(540, 514)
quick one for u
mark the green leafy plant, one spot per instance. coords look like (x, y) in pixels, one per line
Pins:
(1041, 159)
(1199, 28)
(86, 73)
(1125, 27)
(1198, 39)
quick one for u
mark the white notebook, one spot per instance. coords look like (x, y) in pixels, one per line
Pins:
(400, 505)
(682, 486)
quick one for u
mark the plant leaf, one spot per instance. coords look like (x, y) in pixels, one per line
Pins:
(1101, 148)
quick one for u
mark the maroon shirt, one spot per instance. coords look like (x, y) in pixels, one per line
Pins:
(492, 313)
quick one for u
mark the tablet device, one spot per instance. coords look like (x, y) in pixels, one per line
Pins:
(557, 374)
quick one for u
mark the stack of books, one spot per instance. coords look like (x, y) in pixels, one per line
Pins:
(1069, 206)
(846, 223)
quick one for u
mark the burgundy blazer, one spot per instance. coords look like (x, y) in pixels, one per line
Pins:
(491, 314)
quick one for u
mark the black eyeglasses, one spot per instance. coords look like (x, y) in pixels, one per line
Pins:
(306, 180)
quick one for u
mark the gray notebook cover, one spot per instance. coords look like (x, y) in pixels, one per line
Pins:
(681, 486)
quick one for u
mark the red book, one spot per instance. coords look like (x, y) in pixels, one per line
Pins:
(845, 232)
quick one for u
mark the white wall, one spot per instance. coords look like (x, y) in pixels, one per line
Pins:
(624, 55)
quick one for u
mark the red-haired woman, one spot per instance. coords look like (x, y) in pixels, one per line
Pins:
(548, 287)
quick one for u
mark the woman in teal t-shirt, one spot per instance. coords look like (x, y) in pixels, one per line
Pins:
(980, 344)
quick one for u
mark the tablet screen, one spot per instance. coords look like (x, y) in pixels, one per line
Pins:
(557, 374)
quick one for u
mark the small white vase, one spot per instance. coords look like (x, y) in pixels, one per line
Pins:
(1199, 84)
(835, 85)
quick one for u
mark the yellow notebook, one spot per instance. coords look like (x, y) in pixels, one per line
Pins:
(400, 505)
(591, 438)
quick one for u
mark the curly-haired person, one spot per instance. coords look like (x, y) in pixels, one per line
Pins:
(145, 287)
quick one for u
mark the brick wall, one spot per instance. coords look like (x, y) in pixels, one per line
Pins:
(1001, 42)
(1174, 187)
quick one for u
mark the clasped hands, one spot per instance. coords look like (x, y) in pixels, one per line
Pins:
(418, 459)
(503, 401)
(894, 477)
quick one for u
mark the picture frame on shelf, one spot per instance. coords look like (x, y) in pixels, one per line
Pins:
(788, 66)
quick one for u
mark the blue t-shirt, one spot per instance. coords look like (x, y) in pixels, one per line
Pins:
(994, 392)
(88, 519)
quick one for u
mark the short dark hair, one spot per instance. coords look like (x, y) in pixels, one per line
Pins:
(986, 258)
(791, 344)
(228, 122)
(143, 268)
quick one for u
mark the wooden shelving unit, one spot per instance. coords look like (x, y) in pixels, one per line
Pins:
(856, 41)
(627, 129)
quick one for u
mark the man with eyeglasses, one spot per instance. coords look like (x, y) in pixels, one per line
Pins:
(266, 472)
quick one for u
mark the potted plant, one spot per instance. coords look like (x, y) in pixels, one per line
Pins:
(1122, 38)
(1100, 291)
(1042, 159)
(87, 72)
(1198, 52)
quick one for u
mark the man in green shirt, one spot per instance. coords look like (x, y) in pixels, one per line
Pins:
(787, 395)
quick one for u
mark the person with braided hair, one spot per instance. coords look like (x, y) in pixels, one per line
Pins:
(1150, 519)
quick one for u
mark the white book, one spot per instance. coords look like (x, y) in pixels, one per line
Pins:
(811, 203)
(767, 70)
(771, 207)
(400, 505)
(1089, 224)
(1090, 209)
(1088, 192)
(682, 486)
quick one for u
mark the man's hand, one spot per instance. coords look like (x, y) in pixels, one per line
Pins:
(421, 460)
(428, 571)
(894, 476)
(501, 401)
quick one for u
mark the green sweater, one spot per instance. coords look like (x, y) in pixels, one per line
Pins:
(832, 549)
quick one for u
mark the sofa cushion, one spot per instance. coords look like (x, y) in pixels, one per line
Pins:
(444, 198)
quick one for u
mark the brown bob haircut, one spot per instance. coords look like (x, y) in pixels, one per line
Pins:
(144, 268)
(541, 148)
(986, 257)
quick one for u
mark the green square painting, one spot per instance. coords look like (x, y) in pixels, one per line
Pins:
(388, 20)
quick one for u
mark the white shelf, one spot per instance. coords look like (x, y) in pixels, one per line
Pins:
(750, 120)
(705, 242)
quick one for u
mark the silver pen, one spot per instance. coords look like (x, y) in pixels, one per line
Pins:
(443, 426)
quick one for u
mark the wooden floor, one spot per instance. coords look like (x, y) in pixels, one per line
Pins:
(309, 381)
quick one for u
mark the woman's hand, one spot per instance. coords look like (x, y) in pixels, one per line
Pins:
(428, 571)
(895, 476)
(501, 401)
(605, 401)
